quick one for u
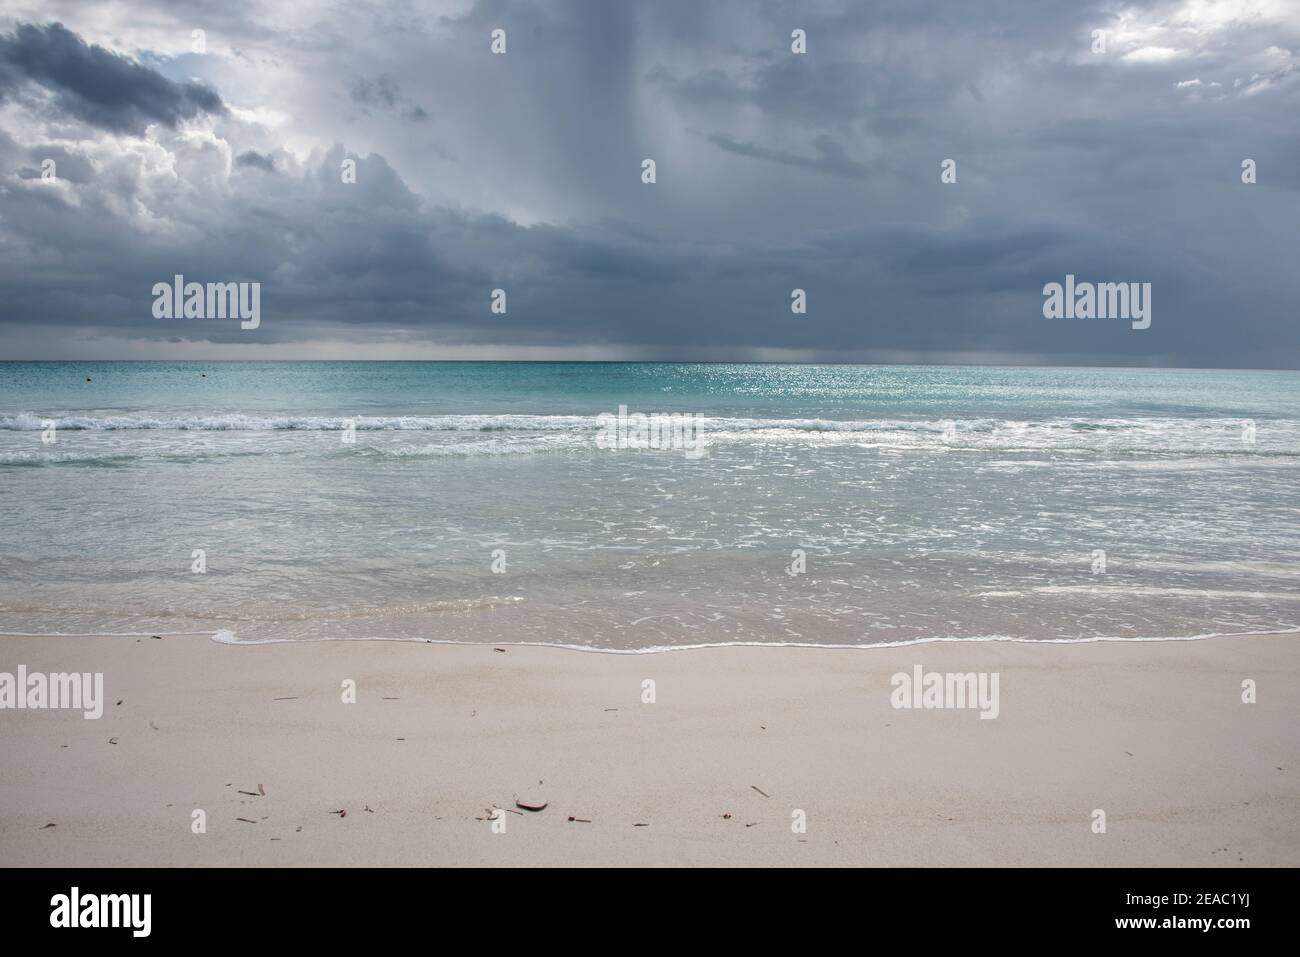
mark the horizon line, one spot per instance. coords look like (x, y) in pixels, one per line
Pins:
(715, 362)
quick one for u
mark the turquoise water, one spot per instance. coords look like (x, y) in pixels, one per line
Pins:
(472, 502)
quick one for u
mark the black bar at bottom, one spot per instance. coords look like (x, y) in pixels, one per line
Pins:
(252, 909)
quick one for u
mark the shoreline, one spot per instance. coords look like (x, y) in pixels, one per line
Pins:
(218, 637)
(1153, 732)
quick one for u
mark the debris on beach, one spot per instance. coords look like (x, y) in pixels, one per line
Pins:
(368, 809)
(251, 794)
(292, 697)
(261, 790)
(112, 740)
(55, 825)
(579, 820)
(530, 804)
(502, 650)
(760, 790)
(640, 825)
(152, 725)
(491, 813)
(341, 812)
(245, 820)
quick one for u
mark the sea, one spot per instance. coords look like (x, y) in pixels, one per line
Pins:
(840, 505)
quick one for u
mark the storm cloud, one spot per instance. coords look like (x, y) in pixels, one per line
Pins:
(93, 84)
(380, 171)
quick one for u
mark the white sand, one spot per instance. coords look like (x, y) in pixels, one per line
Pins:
(1155, 734)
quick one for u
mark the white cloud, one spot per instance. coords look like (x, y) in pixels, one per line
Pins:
(1154, 54)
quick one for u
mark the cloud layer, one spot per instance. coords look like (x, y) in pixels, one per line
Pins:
(775, 171)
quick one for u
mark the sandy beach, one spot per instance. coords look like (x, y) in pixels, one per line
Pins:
(737, 740)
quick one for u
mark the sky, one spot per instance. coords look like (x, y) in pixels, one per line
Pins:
(220, 156)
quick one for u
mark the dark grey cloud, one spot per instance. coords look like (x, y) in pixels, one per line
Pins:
(378, 90)
(382, 92)
(256, 160)
(831, 158)
(93, 84)
(775, 171)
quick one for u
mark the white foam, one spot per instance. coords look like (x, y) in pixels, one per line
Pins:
(226, 636)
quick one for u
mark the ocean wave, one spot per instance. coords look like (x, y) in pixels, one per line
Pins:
(118, 458)
(1135, 442)
(1218, 428)
(1142, 591)
(242, 422)
(500, 422)
(226, 636)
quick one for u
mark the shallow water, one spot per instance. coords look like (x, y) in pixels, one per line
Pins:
(928, 502)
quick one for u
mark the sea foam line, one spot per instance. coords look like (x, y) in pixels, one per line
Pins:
(225, 636)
